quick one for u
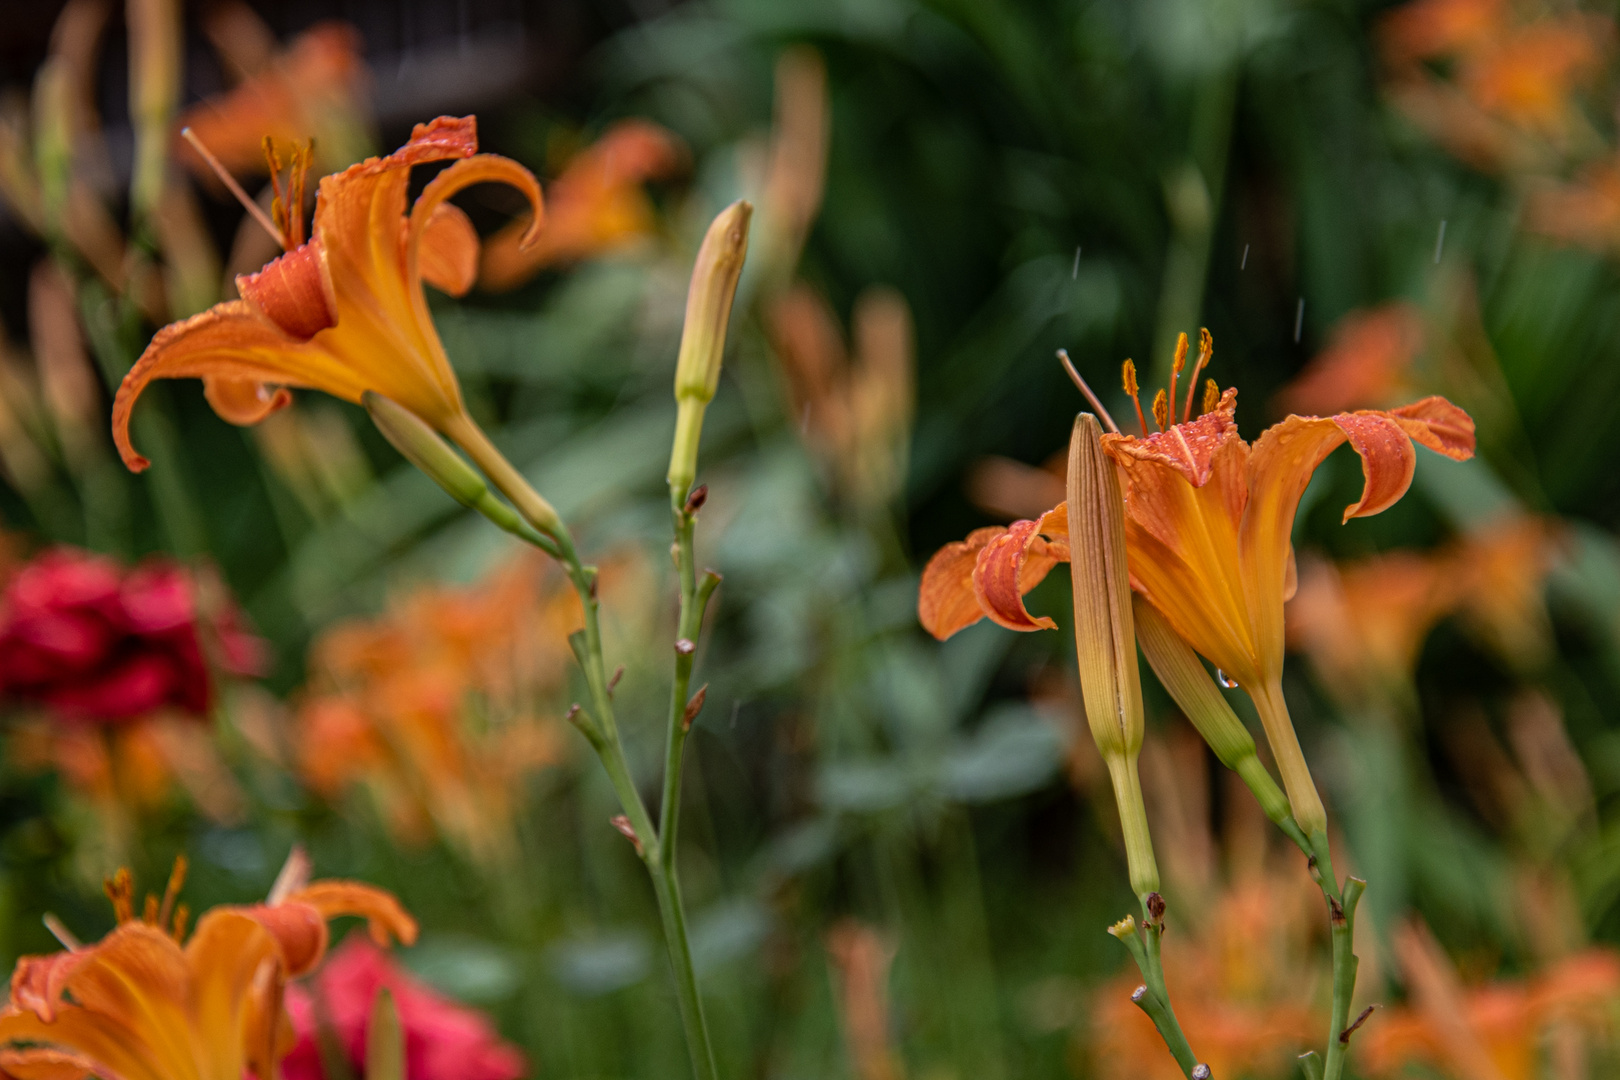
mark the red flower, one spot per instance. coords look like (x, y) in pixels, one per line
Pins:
(443, 1040)
(92, 642)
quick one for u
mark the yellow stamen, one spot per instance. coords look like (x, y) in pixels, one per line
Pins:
(149, 911)
(1212, 396)
(182, 913)
(1206, 349)
(1161, 410)
(230, 183)
(120, 890)
(1128, 376)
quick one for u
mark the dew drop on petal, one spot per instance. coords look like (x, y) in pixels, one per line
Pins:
(1230, 684)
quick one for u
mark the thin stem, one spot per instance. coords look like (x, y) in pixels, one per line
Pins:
(654, 846)
(1152, 998)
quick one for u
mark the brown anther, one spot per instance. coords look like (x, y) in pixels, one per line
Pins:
(695, 501)
(1161, 410)
(120, 890)
(149, 910)
(1212, 396)
(618, 673)
(684, 647)
(693, 707)
(182, 915)
(622, 823)
(1344, 1036)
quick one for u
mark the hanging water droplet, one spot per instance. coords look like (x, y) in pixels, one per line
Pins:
(1230, 684)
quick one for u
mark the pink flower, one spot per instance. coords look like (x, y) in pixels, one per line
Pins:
(443, 1040)
(83, 637)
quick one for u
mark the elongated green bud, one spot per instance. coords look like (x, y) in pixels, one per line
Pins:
(1189, 684)
(1105, 637)
(703, 339)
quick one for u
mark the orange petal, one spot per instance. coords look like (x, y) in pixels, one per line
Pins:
(294, 292)
(1009, 566)
(946, 600)
(37, 981)
(384, 914)
(231, 340)
(1188, 448)
(449, 251)
(1439, 425)
(44, 1063)
(299, 931)
(244, 401)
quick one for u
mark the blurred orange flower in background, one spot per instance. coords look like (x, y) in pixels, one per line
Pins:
(860, 961)
(1496, 1031)
(596, 205)
(1514, 72)
(444, 706)
(1364, 365)
(314, 89)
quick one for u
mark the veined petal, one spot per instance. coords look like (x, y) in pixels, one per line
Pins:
(48, 1063)
(449, 251)
(230, 340)
(37, 981)
(385, 917)
(298, 930)
(229, 955)
(478, 169)
(946, 600)
(1188, 448)
(75, 1038)
(1009, 566)
(244, 401)
(1439, 425)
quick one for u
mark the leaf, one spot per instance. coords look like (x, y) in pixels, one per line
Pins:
(385, 1040)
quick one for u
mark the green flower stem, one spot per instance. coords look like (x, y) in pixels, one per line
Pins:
(1345, 963)
(1152, 998)
(654, 844)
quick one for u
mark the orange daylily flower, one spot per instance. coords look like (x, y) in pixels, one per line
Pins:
(1207, 527)
(1585, 212)
(860, 961)
(596, 205)
(343, 312)
(145, 1003)
(1364, 364)
(315, 85)
(1363, 623)
(1491, 1032)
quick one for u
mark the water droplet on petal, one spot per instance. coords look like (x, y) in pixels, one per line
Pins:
(1230, 684)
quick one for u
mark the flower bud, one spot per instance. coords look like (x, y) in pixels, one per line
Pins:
(1194, 692)
(703, 339)
(1105, 636)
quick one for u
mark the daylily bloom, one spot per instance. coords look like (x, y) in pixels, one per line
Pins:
(344, 312)
(596, 205)
(860, 961)
(1496, 1030)
(1207, 524)
(315, 87)
(443, 1040)
(146, 1003)
(1364, 365)
(442, 709)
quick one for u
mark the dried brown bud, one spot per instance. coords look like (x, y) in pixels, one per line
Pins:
(1344, 1036)
(695, 501)
(1155, 907)
(622, 823)
(618, 673)
(693, 707)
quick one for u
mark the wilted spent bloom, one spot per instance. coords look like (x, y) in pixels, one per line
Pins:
(703, 337)
(89, 641)
(443, 1040)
